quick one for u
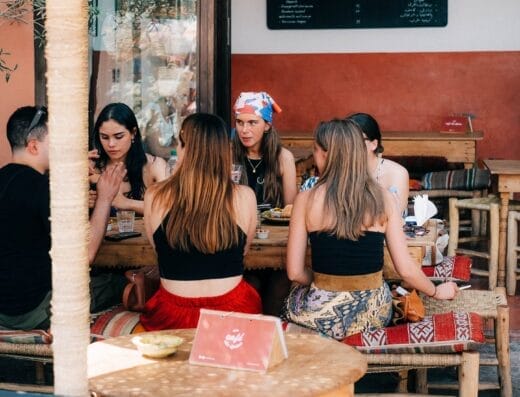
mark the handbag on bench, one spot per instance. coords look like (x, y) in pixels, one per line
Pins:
(142, 284)
(408, 308)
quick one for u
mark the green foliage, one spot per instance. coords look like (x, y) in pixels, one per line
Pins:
(4, 67)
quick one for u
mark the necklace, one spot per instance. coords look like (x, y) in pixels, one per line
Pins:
(254, 167)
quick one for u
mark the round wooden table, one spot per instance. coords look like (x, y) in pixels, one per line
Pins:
(317, 366)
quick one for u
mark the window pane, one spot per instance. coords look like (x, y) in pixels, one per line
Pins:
(144, 53)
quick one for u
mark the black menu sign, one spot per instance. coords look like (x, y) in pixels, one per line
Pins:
(348, 14)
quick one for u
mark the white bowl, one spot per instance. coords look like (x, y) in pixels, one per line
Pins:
(262, 233)
(157, 346)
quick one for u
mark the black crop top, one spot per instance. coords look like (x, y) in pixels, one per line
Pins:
(343, 257)
(175, 264)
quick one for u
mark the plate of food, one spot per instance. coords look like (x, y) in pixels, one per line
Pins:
(278, 215)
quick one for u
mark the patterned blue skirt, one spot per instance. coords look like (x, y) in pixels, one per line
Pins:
(338, 314)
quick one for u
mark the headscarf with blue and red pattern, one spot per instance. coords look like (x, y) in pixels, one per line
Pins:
(259, 103)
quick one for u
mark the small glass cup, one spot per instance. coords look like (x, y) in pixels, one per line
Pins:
(258, 219)
(125, 220)
(236, 172)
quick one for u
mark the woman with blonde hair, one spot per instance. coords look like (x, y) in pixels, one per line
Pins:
(389, 174)
(201, 225)
(347, 216)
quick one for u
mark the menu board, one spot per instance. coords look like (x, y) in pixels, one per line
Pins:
(351, 14)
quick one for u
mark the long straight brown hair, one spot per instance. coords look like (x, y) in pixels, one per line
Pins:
(270, 149)
(199, 194)
(352, 197)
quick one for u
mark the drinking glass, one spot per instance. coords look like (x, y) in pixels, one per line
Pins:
(236, 172)
(125, 220)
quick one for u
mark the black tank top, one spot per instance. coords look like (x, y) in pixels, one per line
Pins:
(175, 264)
(342, 257)
(255, 179)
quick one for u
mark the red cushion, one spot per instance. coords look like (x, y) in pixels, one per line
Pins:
(452, 268)
(440, 333)
(414, 184)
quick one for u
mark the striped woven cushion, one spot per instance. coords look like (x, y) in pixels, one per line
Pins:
(34, 336)
(440, 333)
(107, 324)
(470, 179)
(452, 268)
(113, 322)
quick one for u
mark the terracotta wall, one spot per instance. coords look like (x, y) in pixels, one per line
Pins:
(404, 91)
(16, 39)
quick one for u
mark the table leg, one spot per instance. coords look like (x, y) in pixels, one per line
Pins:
(502, 239)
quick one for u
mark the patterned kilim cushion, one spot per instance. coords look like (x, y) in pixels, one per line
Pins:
(452, 268)
(470, 179)
(113, 322)
(34, 336)
(440, 333)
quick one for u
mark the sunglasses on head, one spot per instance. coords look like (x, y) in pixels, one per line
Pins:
(37, 117)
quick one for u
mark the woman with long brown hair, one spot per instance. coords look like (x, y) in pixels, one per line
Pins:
(201, 225)
(347, 216)
(270, 172)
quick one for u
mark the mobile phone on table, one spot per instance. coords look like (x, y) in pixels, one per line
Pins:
(121, 236)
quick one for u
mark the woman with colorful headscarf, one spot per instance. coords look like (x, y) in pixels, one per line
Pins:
(270, 168)
(270, 172)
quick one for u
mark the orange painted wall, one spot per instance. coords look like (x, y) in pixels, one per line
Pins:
(404, 91)
(17, 39)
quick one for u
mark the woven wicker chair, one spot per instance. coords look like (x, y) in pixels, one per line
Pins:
(40, 354)
(492, 306)
(466, 362)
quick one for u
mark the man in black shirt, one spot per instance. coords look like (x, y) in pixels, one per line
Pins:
(25, 242)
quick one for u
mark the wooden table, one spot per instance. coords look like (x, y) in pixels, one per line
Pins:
(267, 253)
(316, 366)
(457, 148)
(506, 175)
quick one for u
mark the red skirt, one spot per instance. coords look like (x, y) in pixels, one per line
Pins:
(165, 310)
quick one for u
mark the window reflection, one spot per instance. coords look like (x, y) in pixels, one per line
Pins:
(145, 55)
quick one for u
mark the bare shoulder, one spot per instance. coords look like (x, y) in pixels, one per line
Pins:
(245, 193)
(155, 167)
(286, 161)
(244, 204)
(395, 168)
(286, 155)
(155, 161)
(302, 198)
